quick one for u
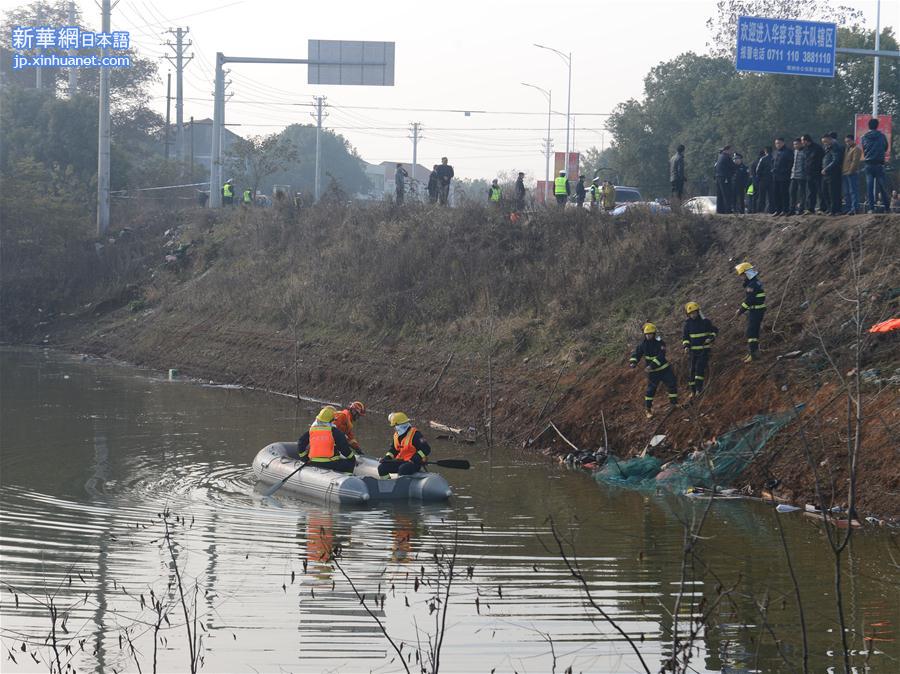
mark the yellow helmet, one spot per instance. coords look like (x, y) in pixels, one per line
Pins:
(691, 307)
(326, 414)
(649, 329)
(743, 267)
(397, 418)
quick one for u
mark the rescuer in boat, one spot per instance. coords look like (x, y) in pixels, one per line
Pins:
(653, 350)
(409, 450)
(325, 446)
(344, 421)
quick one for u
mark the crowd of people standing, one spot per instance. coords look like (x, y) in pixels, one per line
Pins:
(804, 178)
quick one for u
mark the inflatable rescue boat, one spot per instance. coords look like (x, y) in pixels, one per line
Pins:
(277, 461)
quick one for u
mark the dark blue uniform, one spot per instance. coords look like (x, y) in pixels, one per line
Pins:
(754, 305)
(653, 351)
(697, 338)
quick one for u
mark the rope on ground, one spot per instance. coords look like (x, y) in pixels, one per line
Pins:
(161, 187)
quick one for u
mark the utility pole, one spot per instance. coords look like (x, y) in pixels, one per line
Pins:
(180, 63)
(168, 110)
(416, 127)
(320, 100)
(877, 60)
(215, 155)
(192, 150)
(548, 151)
(73, 71)
(103, 135)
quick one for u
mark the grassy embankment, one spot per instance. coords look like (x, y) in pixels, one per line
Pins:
(535, 318)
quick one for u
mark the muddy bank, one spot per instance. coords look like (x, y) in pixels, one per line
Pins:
(464, 333)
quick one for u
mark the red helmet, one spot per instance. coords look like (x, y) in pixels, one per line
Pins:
(357, 407)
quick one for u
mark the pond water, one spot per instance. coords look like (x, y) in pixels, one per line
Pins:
(99, 460)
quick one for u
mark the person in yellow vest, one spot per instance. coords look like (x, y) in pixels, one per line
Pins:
(228, 192)
(561, 189)
(324, 446)
(608, 193)
(344, 421)
(248, 198)
(494, 193)
(408, 452)
(596, 191)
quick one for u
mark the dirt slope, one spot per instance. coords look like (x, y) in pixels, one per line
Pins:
(557, 303)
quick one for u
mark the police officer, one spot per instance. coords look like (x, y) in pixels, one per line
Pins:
(653, 350)
(596, 194)
(754, 305)
(228, 193)
(494, 192)
(561, 189)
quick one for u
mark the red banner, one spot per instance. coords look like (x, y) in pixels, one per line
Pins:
(572, 169)
(884, 125)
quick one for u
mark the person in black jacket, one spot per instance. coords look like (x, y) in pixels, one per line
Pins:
(762, 186)
(724, 173)
(653, 350)
(676, 175)
(782, 160)
(520, 192)
(754, 305)
(832, 172)
(739, 182)
(445, 175)
(814, 156)
(697, 338)
(580, 192)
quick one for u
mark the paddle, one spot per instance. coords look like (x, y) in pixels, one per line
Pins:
(461, 464)
(281, 484)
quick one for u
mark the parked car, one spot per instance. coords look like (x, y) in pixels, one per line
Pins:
(650, 206)
(701, 205)
(624, 195)
(627, 195)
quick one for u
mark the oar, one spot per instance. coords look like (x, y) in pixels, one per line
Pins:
(462, 464)
(281, 484)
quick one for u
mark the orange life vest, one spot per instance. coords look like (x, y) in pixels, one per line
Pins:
(405, 449)
(343, 421)
(321, 443)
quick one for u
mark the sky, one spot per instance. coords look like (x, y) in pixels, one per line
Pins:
(457, 56)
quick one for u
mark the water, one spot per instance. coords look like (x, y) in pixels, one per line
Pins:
(93, 454)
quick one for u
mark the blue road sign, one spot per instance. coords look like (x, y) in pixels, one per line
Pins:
(785, 46)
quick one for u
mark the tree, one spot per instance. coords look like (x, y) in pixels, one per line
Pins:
(252, 160)
(339, 161)
(701, 102)
(723, 25)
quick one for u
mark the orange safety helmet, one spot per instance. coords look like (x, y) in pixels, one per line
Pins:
(358, 407)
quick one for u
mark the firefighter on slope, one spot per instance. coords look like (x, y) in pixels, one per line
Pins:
(653, 350)
(754, 305)
(409, 450)
(697, 338)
